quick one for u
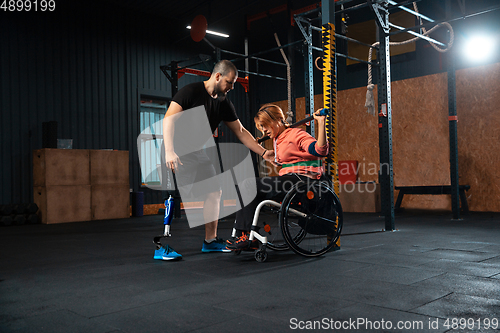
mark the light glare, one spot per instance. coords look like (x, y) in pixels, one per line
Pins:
(479, 48)
(220, 34)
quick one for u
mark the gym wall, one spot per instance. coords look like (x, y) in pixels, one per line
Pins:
(84, 66)
(420, 135)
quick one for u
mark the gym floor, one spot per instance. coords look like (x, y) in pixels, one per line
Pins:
(100, 276)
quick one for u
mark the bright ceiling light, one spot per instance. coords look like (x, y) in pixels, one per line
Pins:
(220, 34)
(479, 48)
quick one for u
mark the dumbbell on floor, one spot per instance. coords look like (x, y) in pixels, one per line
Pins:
(6, 220)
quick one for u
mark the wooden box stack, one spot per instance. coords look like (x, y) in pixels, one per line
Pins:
(109, 180)
(71, 185)
(360, 197)
(61, 182)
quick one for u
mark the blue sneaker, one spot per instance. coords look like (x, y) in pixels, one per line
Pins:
(166, 253)
(218, 245)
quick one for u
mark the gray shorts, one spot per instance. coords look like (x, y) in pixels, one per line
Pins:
(197, 177)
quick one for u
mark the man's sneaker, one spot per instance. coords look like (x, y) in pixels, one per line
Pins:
(166, 253)
(243, 243)
(218, 245)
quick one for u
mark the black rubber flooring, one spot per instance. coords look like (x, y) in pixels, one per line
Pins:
(433, 274)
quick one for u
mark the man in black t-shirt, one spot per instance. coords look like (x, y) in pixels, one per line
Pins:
(210, 94)
(218, 109)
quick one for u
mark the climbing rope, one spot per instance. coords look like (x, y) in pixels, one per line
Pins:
(289, 113)
(370, 101)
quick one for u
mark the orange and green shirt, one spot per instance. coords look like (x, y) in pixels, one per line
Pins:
(298, 152)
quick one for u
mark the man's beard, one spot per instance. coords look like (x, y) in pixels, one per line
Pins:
(221, 95)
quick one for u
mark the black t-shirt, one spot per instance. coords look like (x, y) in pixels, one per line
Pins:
(195, 94)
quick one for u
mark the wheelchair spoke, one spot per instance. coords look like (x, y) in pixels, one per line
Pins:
(318, 228)
(322, 218)
(270, 227)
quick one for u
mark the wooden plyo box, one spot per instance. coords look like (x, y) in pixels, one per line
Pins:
(63, 203)
(109, 167)
(360, 197)
(110, 201)
(72, 185)
(61, 167)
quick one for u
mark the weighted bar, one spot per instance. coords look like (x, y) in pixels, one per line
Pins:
(323, 112)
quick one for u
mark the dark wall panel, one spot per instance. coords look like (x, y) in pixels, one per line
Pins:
(82, 68)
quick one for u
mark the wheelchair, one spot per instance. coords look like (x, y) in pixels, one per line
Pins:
(309, 222)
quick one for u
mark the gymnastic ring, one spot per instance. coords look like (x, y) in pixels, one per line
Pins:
(316, 63)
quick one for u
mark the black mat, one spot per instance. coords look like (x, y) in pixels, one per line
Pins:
(100, 276)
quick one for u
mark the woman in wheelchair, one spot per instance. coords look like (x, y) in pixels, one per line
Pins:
(299, 155)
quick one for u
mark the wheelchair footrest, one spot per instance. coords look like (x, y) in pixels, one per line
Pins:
(250, 247)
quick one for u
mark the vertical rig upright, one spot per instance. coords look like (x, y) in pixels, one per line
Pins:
(330, 87)
(309, 77)
(385, 115)
(452, 120)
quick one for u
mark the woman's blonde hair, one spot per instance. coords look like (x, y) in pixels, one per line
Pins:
(269, 114)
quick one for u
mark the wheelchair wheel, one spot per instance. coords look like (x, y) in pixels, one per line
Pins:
(269, 224)
(260, 255)
(311, 218)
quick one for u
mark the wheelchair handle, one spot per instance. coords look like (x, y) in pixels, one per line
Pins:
(323, 112)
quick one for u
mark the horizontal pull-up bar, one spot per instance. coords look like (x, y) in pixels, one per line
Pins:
(309, 40)
(366, 3)
(410, 11)
(356, 59)
(317, 7)
(352, 8)
(346, 56)
(192, 71)
(270, 50)
(431, 24)
(252, 57)
(305, 11)
(346, 38)
(263, 75)
(355, 41)
(299, 13)
(418, 35)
